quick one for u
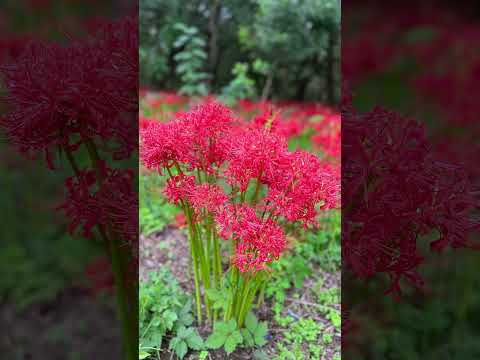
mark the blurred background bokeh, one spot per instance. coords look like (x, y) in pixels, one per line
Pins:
(422, 61)
(49, 304)
(242, 49)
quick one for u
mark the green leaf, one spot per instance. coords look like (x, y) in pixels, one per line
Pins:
(182, 40)
(232, 325)
(251, 322)
(213, 294)
(216, 340)
(232, 341)
(260, 333)
(143, 355)
(195, 342)
(247, 337)
(335, 318)
(181, 349)
(260, 355)
(169, 317)
(173, 343)
(260, 341)
(221, 327)
(184, 332)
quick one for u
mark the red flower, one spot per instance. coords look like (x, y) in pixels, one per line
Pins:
(207, 196)
(254, 154)
(257, 242)
(179, 188)
(163, 145)
(299, 184)
(205, 126)
(80, 204)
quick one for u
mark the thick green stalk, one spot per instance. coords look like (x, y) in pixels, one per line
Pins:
(249, 296)
(261, 296)
(257, 188)
(208, 230)
(218, 260)
(233, 292)
(196, 275)
(203, 268)
(194, 264)
(129, 325)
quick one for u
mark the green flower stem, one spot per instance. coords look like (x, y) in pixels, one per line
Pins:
(242, 296)
(205, 274)
(194, 265)
(233, 294)
(248, 298)
(261, 296)
(208, 250)
(218, 260)
(257, 188)
(128, 318)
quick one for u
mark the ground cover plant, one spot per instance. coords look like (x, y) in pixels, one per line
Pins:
(254, 220)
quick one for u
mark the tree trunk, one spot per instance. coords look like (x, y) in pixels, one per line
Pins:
(330, 68)
(213, 46)
(268, 86)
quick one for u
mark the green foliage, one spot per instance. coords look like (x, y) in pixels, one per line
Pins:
(303, 141)
(288, 271)
(186, 338)
(155, 212)
(28, 279)
(220, 299)
(225, 334)
(240, 87)
(203, 355)
(190, 60)
(300, 341)
(165, 309)
(295, 37)
(323, 245)
(39, 259)
(286, 38)
(254, 332)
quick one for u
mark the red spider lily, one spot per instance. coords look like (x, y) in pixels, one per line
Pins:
(254, 154)
(80, 95)
(207, 197)
(181, 220)
(163, 145)
(179, 188)
(112, 204)
(398, 190)
(298, 185)
(205, 127)
(257, 242)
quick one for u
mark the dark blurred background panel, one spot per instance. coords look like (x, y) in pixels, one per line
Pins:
(410, 150)
(53, 302)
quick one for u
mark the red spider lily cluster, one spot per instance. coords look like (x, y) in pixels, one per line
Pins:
(62, 97)
(233, 158)
(288, 120)
(397, 191)
(401, 186)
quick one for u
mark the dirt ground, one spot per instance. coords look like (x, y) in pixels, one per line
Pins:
(155, 250)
